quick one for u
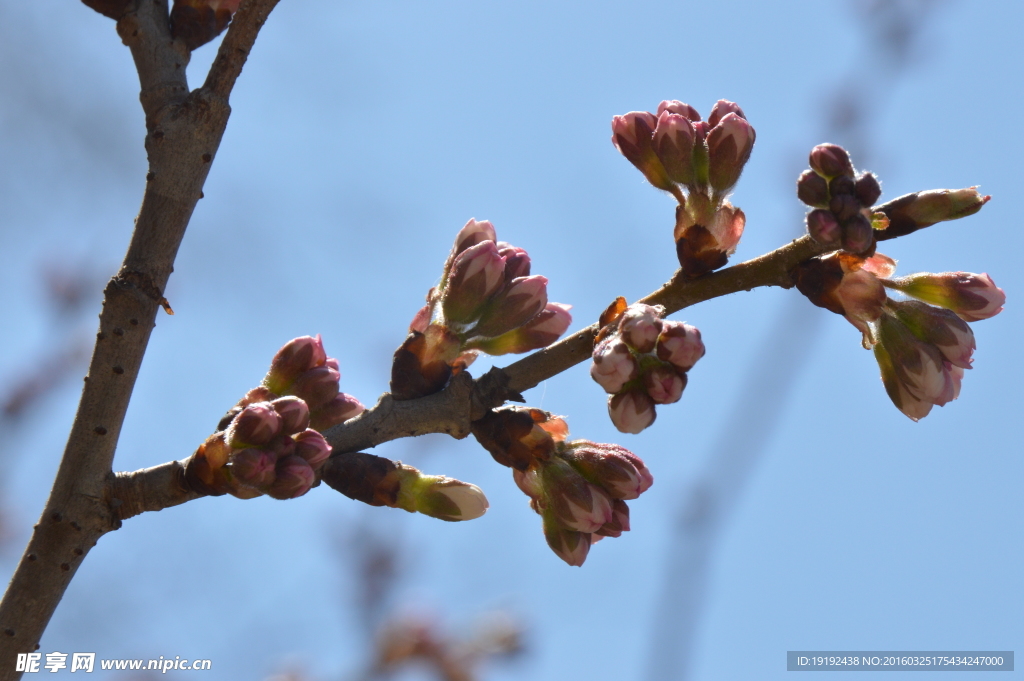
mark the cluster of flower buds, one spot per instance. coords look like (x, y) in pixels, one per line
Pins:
(922, 346)
(641, 360)
(579, 488)
(699, 162)
(269, 443)
(487, 301)
(842, 201)
(378, 481)
(197, 22)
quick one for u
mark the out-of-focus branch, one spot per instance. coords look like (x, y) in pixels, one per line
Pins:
(184, 132)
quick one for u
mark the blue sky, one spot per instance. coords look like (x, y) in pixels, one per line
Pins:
(363, 136)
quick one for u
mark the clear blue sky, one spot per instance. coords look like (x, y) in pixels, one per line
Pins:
(363, 136)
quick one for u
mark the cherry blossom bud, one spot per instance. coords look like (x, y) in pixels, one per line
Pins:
(281, 446)
(843, 185)
(293, 478)
(297, 356)
(517, 262)
(912, 212)
(615, 469)
(830, 160)
(640, 325)
(941, 328)
(197, 22)
(677, 107)
(971, 296)
(664, 384)
(257, 424)
(614, 365)
(539, 332)
(528, 482)
(294, 414)
(680, 344)
(673, 142)
(471, 234)
(422, 318)
(812, 189)
(340, 409)
(520, 302)
(914, 373)
(317, 387)
(721, 109)
(730, 142)
(438, 496)
(727, 227)
(569, 545)
(477, 273)
(312, 447)
(868, 190)
(253, 467)
(858, 236)
(632, 135)
(823, 227)
(844, 206)
(578, 504)
(619, 522)
(631, 411)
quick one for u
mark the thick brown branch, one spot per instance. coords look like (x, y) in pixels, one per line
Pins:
(184, 133)
(149, 489)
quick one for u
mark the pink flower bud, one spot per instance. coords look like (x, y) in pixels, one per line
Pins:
(520, 302)
(293, 478)
(823, 226)
(615, 469)
(911, 212)
(721, 109)
(640, 325)
(340, 409)
(570, 546)
(473, 233)
(631, 411)
(297, 356)
(673, 142)
(317, 386)
(618, 524)
(253, 467)
(422, 318)
(477, 274)
(676, 107)
(730, 142)
(971, 296)
(294, 414)
(831, 160)
(914, 373)
(632, 135)
(539, 332)
(257, 424)
(858, 235)
(680, 344)
(311, 447)
(281, 446)
(528, 482)
(438, 496)
(868, 190)
(812, 189)
(614, 365)
(664, 384)
(861, 296)
(578, 504)
(941, 328)
(517, 262)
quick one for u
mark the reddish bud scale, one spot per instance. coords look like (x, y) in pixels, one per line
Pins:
(422, 364)
(197, 22)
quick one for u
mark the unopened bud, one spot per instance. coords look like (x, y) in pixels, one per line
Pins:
(922, 209)
(253, 467)
(517, 262)
(257, 424)
(293, 478)
(614, 365)
(823, 227)
(632, 135)
(830, 160)
(615, 469)
(640, 325)
(730, 142)
(664, 384)
(971, 296)
(540, 332)
(619, 522)
(941, 328)
(677, 107)
(297, 356)
(913, 372)
(439, 497)
(569, 545)
(477, 273)
(858, 236)
(868, 189)
(520, 302)
(844, 206)
(317, 386)
(311, 447)
(673, 143)
(631, 411)
(294, 414)
(579, 505)
(197, 22)
(680, 344)
(721, 109)
(471, 234)
(812, 189)
(340, 409)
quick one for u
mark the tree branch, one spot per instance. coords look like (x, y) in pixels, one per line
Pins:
(184, 132)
